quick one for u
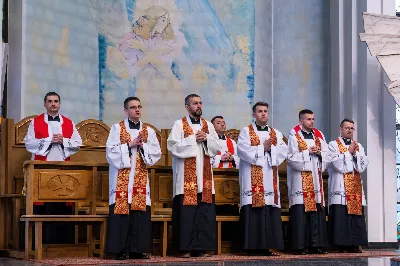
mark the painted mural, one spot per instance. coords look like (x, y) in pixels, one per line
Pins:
(163, 50)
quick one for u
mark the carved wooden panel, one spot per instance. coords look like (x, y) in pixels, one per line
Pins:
(94, 133)
(233, 134)
(63, 184)
(165, 191)
(21, 128)
(227, 189)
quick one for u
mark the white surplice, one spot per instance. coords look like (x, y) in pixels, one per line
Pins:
(118, 157)
(255, 155)
(343, 163)
(304, 161)
(182, 148)
(55, 151)
(224, 149)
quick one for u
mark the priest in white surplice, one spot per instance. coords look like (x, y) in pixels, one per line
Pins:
(131, 146)
(227, 157)
(347, 228)
(192, 142)
(261, 150)
(53, 137)
(308, 156)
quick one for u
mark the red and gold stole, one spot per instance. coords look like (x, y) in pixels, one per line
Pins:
(352, 184)
(140, 179)
(231, 150)
(257, 185)
(310, 204)
(190, 177)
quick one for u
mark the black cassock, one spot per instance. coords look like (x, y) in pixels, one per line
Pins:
(129, 233)
(194, 227)
(261, 228)
(346, 229)
(308, 228)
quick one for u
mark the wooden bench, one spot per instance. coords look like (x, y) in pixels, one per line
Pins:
(36, 221)
(61, 182)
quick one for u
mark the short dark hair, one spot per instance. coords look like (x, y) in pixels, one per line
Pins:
(52, 93)
(259, 104)
(127, 100)
(346, 120)
(215, 117)
(190, 96)
(305, 112)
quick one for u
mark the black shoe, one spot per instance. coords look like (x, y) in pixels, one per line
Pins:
(301, 252)
(138, 256)
(342, 249)
(317, 251)
(268, 253)
(120, 256)
(254, 252)
(354, 250)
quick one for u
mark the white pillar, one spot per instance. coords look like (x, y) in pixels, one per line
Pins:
(358, 92)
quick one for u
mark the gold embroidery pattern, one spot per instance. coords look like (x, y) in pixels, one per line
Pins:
(257, 185)
(321, 190)
(274, 142)
(310, 203)
(190, 177)
(353, 187)
(121, 197)
(207, 172)
(140, 180)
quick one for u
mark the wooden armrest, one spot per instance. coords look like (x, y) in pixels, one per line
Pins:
(161, 218)
(163, 211)
(63, 218)
(227, 218)
(99, 210)
(11, 196)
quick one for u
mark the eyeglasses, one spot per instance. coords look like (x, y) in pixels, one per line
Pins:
(350, 128)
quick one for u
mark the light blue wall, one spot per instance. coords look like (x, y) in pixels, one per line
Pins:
(295, 61)
(60, 53)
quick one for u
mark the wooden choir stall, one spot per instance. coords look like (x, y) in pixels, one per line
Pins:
(84, 181)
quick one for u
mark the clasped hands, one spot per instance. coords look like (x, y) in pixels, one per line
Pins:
(353, 148)
(315, 150)
(136, 142)
(57, 138)
(267, 145)
(227, 157)
(201, 136)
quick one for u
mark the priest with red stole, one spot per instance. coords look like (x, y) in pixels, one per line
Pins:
(192, 142)
(131, 147)
(346, 227)
(261, 150)
(227, 157)
(308, 157)
(52, 136)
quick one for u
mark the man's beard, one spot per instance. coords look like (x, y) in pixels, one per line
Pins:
(197, 113)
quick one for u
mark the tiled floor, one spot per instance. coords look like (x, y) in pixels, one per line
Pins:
(306, 262)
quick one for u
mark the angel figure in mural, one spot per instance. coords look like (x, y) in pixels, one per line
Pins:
(149, 44)
(144, 55)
